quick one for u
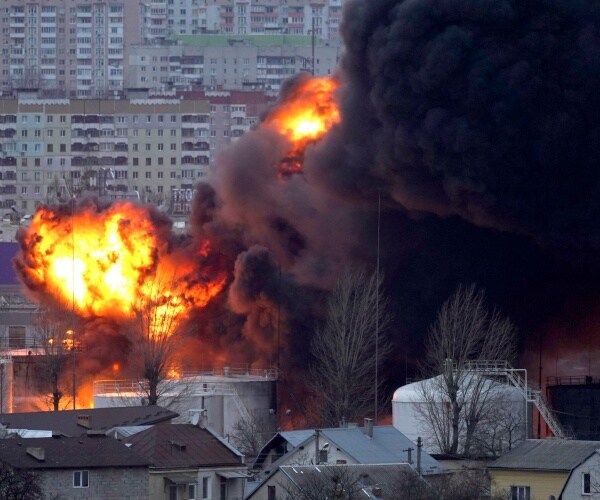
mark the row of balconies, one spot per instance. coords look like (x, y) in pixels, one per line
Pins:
(195, 146)
(195, 118)
(80, 161)
(11, 175)
(194, 161)
(8, 189)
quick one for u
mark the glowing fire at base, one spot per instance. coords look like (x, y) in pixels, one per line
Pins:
(305, 116)
(111, 262)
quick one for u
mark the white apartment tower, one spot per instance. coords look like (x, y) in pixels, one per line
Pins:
(66, 48)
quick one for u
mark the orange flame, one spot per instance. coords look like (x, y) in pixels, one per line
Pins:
(306, 116)
(108, 263)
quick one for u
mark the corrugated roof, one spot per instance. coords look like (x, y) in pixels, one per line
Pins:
(182, 445)
(388, 445)
(67, 453)
(65, 421)
(547, 454)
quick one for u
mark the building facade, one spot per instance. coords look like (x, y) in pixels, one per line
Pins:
(165, 18)
(68, 48)
(53, 149)
(82, 49)
(215, 61)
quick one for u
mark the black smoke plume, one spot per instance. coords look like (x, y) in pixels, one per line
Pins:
(478, 125)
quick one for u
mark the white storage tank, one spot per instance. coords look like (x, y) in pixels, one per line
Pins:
(504, 424)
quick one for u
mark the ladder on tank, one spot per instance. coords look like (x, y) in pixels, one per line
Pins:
(518, 379)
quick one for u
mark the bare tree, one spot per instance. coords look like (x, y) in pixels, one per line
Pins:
(338, 483)
(250, 433)
(55, 337)
(456, 399)
(155, 335)
(348, 347)
(19, 484)
(464, 484)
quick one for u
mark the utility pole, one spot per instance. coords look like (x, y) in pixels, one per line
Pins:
(377, 313)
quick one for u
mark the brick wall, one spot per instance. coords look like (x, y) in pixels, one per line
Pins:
(107, 484)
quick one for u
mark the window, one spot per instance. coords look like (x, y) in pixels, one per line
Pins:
(80, 479)
(271, 493)
(148, 175)
(16, 337)
(520, 493)
(205, 487)
(223, 489)
(586, 483)
(191, 489)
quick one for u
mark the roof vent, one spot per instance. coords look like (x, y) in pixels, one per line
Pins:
(84, 421)
(37, 453)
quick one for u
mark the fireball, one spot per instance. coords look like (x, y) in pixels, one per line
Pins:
(112, 263)
(305, 117)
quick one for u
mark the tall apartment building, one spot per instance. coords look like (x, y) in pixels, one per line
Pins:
(70, 48)
(166, 18)
(54, 148)
(154, 147)
(232, 114)
(234, 66)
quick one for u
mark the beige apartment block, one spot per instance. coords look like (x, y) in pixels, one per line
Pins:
(151, 149)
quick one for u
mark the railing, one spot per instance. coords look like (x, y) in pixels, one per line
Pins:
(580, 380)
(518, 379)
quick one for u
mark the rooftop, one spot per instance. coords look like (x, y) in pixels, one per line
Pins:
(547, 454)
(183, 445)
(66, 453)
(69, 422)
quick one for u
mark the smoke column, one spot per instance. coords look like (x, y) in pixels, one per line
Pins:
(478, 122)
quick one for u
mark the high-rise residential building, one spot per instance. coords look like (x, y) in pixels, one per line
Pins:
(154, 148)
(68, 48)
(52, 149)
(219, 63)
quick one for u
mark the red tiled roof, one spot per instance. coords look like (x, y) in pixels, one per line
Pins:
(182, 445)
(67, 453)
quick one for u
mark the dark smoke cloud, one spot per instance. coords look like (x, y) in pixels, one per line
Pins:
(478, 123)
(484, 109)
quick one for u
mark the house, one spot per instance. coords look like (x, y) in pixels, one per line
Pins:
(78, 422)
(93, 466)
(372, 445)
(378, 482)
(539, 468)
(584, 480)
(380, 444)
(190, 462)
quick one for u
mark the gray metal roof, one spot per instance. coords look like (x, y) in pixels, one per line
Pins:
(388, 445)
(295, 438)
(547, 454)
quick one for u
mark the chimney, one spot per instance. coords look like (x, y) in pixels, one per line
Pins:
(37, 453)
(317, 431)
(368, 429)
(84, 421)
